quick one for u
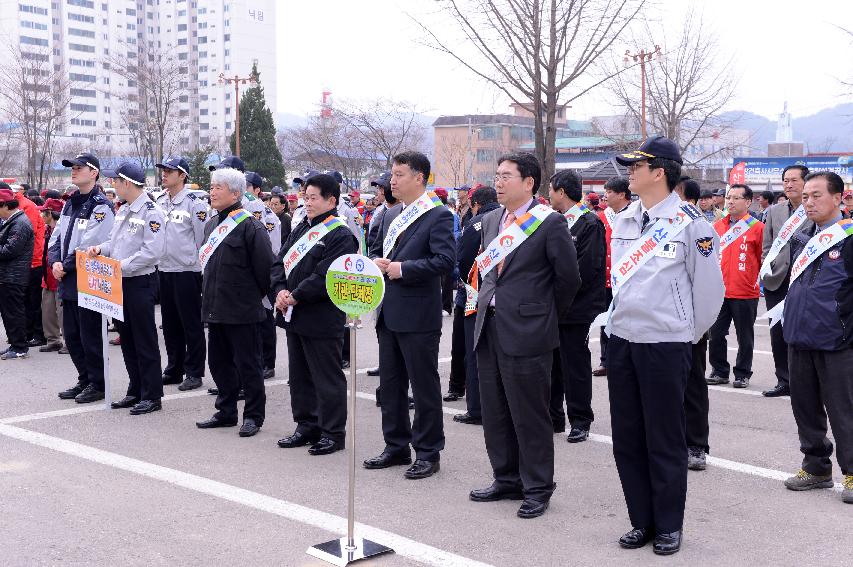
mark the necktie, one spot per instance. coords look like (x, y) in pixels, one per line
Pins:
(510, 218)
(645, 221)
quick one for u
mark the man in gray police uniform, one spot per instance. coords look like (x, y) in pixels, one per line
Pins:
(138, 240)
(668, 290)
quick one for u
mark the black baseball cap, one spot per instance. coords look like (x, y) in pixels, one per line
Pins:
(127, 170)
(336, 174)
(254, 179)
(232, 162)
(307, 174)
(177, 163)
(83, 159)
(383, 180)
(706, 194)
(720, 193)
(654, 147)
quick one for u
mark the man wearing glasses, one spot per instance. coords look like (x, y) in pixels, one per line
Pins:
(740, 259)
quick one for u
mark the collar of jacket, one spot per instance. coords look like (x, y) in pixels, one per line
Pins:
(14, 215)
(488, 207)
(77, 198)
(666, 209)
(223, 214)
(179, 197)
(138, 203)
(321, 217)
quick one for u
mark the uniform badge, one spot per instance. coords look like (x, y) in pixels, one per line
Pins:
(705, 245)
(668, 250)
(834, 254)
(100, 216)
(257, 215)
(201, 215)
(154, 226)
(270, 226)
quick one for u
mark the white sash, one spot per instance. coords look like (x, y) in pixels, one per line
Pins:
(413, 212)
(218, 235)
(575, 213)
(735, 231)
(788, 230)
(511, 238)
(610, 215)
(308, 240)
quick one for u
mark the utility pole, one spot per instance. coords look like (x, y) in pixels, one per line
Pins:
(642, 57)
(252, 79)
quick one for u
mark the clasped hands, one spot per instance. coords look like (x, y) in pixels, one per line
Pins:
(283, 300)
(394, 270)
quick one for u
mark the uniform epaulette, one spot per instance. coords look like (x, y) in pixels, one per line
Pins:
(267, 210)
(192, 196)
(149, 205)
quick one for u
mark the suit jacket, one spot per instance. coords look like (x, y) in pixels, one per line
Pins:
(775, 216)
(535, 288)
(427, 250)
(591, 299)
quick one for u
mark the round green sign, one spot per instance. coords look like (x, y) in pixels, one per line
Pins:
(355, 285)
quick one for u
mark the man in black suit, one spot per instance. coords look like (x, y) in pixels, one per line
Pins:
(315, 327)
(524, 292)
(572, 372)
(418, 249)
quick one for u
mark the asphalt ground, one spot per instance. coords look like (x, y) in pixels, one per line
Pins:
(81, 485)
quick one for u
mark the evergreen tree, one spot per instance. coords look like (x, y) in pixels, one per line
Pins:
(197, 160)
(258, 148)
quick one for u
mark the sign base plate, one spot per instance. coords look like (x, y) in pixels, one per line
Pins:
(336, 551)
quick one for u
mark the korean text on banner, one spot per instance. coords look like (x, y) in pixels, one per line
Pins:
(99, 285)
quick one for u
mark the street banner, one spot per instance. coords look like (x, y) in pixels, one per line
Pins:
(99, 285)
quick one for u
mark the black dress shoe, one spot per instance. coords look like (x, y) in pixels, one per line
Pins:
(467, 418)
(373, 371)
(452, 396)
(636, 538)
(125, 402)
(146, 406)
(213, 391)
(269, 373)
(386, 460)
(667, 544)
(37, 342)
(422, 469)
(578, 435)
(325, 446)
(72, 392)
(168, 380)
(51, 347)
(89, 394)
(495, 493)
(190, 383)
(777, 391)
(249, 428)
(297, 440)
(532, 509)
(213, 422)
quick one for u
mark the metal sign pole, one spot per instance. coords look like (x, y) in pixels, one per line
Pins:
(106, 347)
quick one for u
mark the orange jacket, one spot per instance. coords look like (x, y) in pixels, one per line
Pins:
(741, 260)
(34, 215)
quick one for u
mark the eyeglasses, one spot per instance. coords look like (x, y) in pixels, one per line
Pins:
(632, 167)
(505, 177)
(736, 198)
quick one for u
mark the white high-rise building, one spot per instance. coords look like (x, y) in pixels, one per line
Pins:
(84, 38)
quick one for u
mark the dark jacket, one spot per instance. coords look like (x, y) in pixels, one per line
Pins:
(314, 315)
(237, 275)
(286, 227)
(16, 249)
(590, 244)
(468, 246)
(819, 304)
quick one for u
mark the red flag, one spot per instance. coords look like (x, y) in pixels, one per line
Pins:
(738, 173)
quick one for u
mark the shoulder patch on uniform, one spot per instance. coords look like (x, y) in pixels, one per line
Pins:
(257, 215)
(154, 226)
(100, 216)
(705, 245)
(201, 215)
(149, 205)
(270, 226)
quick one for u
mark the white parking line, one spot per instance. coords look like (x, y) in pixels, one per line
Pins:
(404, 546)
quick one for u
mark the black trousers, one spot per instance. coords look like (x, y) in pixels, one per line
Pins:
(12, 312)
(646, 382)
(821, 386)
(82, 331)
(777, 338)
(696, 398)
(448, 288)
(742, 312)
(268, 339)
(183, 332)
(515, 392)
(318, 387)
(33, 304)
(138, 332)
(234, 355)
(604, 338)
(345, 347)
(472, 378)
(406, 358)
(571, 377)
(458, 352)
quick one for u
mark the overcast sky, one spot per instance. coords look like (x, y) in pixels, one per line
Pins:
(784, 50)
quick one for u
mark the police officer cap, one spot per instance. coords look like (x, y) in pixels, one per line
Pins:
(336, 174)
(232, 162)
(254, 179)
(383, 180)
(306, 175)
(83, 159)
(654, 147)
(175, 163)
(720, 193)
(127, 170)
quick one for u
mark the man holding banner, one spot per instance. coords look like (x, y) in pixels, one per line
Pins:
(740, 259)
(529, 276)
(667, 291)
(418, 249)
(138, 241)
(315, 327)
(818, 327)
(781, 221)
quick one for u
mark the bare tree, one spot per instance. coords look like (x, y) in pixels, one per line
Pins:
(35, 97)
(687, 89)
(455, 160)
(540, 53)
